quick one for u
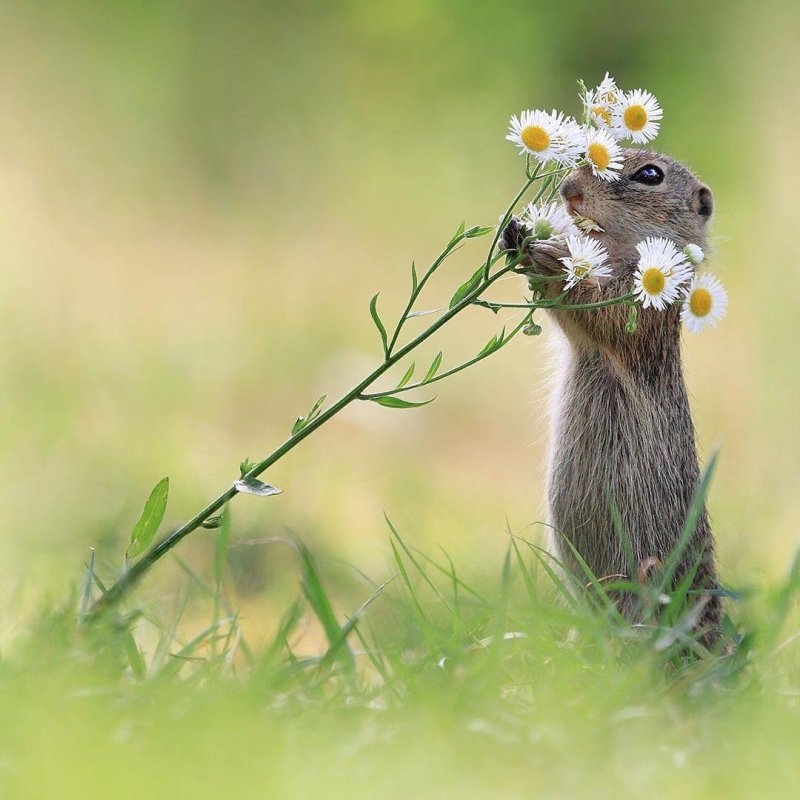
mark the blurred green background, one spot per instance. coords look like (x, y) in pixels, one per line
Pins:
(197, 201)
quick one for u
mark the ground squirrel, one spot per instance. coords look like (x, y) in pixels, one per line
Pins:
(621, 425)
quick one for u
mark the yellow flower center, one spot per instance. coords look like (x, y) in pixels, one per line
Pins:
(536, 138)
(599, 155)
(635, 118)
(700, 302)
(601, 112)
(653, 280)
(581, 267)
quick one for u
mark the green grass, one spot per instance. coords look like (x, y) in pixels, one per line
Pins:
(424, 684)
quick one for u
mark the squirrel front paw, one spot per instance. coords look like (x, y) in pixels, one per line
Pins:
(512, 237)
(537, 257)
(545, 257)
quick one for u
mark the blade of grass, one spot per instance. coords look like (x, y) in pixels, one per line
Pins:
(220, 553)
(609, 605)
(567, 594)
(351, 624)
(135, 658)
(526, 574)
(417, 565)
(696, 509)
(168, 637)
(622, 535)
(404, 575)
(188, 649)
(320, 602)
(209, 591)
(86, 595)
(453, 576)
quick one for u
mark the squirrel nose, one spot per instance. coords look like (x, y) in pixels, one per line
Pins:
(572, 202)
(572, 192)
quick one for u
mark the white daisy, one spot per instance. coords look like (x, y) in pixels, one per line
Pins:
(637, 116)
(587, 259)
(604, 154)
(608, 92)
(600, 104)
(549, 220)
(694, 254)
(546, 137)
(705, 303)
(596, 112)
(571, 142)
(660, 273)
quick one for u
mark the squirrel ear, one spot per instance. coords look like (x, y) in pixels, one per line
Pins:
(703, 201)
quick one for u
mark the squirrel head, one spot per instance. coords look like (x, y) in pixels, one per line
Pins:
(654, 196)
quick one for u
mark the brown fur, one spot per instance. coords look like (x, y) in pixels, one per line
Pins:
(622, 426)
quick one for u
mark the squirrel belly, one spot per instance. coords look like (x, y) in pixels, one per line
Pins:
(624, 443)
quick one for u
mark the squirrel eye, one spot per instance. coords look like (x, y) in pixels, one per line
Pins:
(650, 175)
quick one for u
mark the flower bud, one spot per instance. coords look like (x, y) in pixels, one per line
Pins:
(532, 329)
(630, 325)
(694, 254)
(543, 229)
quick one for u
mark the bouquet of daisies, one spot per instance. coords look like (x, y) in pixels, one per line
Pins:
(611, 116)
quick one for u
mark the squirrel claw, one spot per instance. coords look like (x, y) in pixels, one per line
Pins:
(545, 257)
(540, 257)
(512, 236)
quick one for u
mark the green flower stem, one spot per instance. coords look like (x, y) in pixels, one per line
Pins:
(547, 177)
(626, 299)
(454, 370)
(420, 285)
(131, 576)
(528, 171)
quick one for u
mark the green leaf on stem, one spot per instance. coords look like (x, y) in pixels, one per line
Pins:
(245, 466)
(490, 345)
(475, 232)
(434, 367)
(373, 310)
(301, 422)
(458, 234)
(414, 278)
(316, 407)
(407, 377)
(424, 313)
(255, 486)
(397, 402)
(493, 344)
(468, 286)
(150, 520)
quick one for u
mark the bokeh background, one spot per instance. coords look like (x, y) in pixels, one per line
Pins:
(197, 201)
